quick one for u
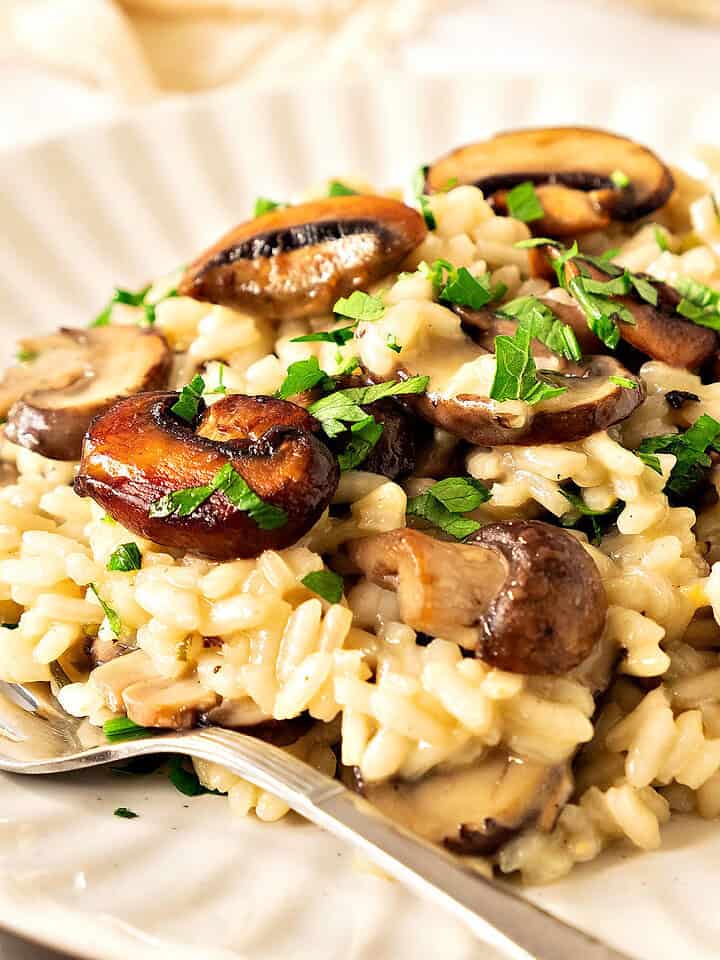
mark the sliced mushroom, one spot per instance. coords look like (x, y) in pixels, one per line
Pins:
(572, 168)
(297, 261)
(475, 809)
(659, 331)
(245, 715)
(163, 702)
(523, 595)
(72, 376)
(590, 403)
(140, 451)
(112, 678)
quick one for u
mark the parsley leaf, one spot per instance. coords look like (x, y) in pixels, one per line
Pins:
(624, 382)
(392, 344)
(620, 179)
(524, 204)
(338, 189)
(345, 405)
(581, 515)
(365, 436)
(418, 189)
(544, 326)
(187, 405)
(123, 728)
(120, 296)
(660, 239)
(327, 584)
(457, 285)
(125, 813)
(689, 449)
(600, 312)
(113, 619)
(360, 306)
(26, 356)
(125, 558)
(186, 780)
(516, 374)
(181, 503)
(699, 303)
(534, 242)
(441, 504)
(340, 336)
(264, 205)
(303, 375)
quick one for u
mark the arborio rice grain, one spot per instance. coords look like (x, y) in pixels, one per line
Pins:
(249, 630)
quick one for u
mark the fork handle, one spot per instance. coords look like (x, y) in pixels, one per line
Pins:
(495, 913)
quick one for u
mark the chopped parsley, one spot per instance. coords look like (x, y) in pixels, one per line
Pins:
(136, 299)
(182, 503)
(624, 382)
(620, 179)
(301, 376)
(343, 407)
(442, 503)
(327, 584)
(699, 303)
(364, 436)
(186, 780)
(690, 452)
(418, 189)
(457, 285)
(449, 184)
(123, 728)
(188, 403)
(392, 344)
(360, 306)
(338, 189)
(543, 326)
(516, 373)
(113, 619)
(524, 204)
(660, 239)
(265, 205)
(340, 336)
(26, 356)
(125, 813)
(594, 523)
(125, 558)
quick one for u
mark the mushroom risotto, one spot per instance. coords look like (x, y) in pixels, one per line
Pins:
(425, 492)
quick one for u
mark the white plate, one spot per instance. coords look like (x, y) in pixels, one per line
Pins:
(116, 206)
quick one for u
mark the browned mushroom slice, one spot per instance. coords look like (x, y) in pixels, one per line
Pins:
(72, 376)
(245, 715)
(297, 261)
(572, 168)
(476, 808)
(524, 595)
(163, 702)
(112, 678)
(659, 331)
(140, 452)
(590, 403)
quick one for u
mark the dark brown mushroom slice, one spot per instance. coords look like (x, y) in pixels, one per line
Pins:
(140, 451)
(659, 331)
(297, 261)
(572, 169)
(475, 809)
(592, 402)
(523, 595)
(71, 377)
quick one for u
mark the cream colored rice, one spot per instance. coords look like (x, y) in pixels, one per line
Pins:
(396, 707)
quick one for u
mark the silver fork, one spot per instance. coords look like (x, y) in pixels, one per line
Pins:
(39, 737)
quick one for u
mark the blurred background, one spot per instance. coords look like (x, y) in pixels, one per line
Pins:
(65, 63)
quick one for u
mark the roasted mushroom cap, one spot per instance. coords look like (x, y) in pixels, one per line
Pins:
(591, 402)
(475, 809)
(72, 376)
(297, 261)
(140, 451)
(523, 595)
(659, 331)
(572, 168)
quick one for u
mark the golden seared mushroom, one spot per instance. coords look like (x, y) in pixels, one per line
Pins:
(523, 595)
(297, 261)
(71, 376)
(475, 809)
(659, 331)
(584, 177)
(245, 715)
(252, 475)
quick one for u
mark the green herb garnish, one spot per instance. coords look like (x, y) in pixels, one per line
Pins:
(624, 382)
(301, 376)
(544, 326)
(181, 503)
(699, 303)
(26, 356)
(186, 780)
(690, 452)
(660, 239)
(123, 728)
(120, 296)
(524, 204)
(343, 407)
(418, 188)
(188, 403)
(114, 621)
(265, 205)
(125, 558)
(442, 503)
(365, 436)
(340, 336)
(360, 306)
(620, 179)
(338, 189)
(457, 285)
(516, 373)
(326, 584)
(392, 344)
(125, 813)
(595, 522)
